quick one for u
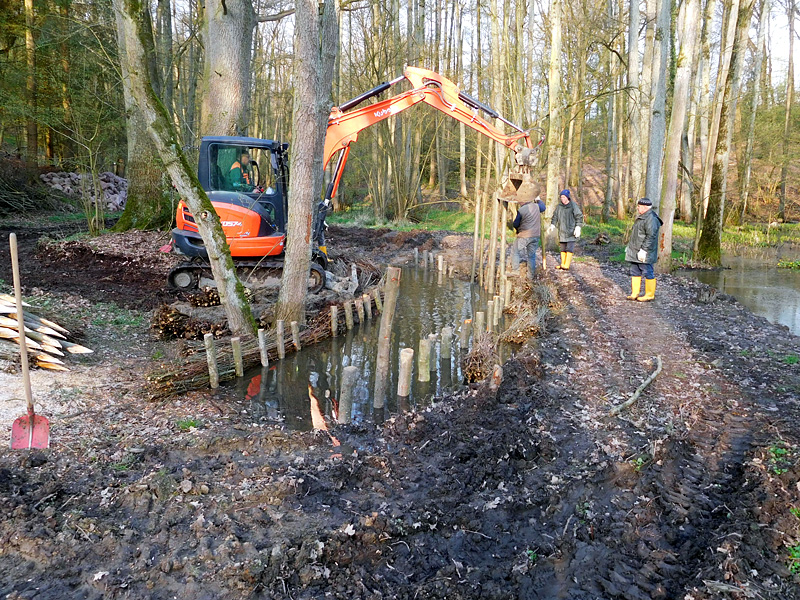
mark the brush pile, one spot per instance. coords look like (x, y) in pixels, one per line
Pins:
(209, 296)
(74, 185)
(480, 360)
(529, 322)
(47, 342)
(171, 324)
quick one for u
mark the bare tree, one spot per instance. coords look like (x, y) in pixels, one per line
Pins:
(554, 103)
(31, 126)
(680, 99)
(788, 111)
(138, 42)
(316, 42)
(658, 124)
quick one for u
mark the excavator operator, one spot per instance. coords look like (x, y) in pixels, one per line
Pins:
(240, 176)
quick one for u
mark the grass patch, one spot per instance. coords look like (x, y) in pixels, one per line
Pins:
(109, 314)
(791, 359)
(779, 458)
(188, 424)
(789, 264)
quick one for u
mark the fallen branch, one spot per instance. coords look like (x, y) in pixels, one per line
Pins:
(620, 407)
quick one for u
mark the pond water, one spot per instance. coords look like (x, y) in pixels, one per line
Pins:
(762, 287)
(281, 391)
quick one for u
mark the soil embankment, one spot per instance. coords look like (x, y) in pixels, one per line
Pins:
(531, 491)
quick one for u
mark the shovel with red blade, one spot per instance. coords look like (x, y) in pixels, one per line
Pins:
(31, 430)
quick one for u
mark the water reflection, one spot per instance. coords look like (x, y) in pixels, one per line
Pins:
(767, 290)
(425, 306)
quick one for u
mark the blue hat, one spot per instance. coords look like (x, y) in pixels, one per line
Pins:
(565, 193)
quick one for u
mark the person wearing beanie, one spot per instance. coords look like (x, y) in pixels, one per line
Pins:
(642, 251)
(568, 218)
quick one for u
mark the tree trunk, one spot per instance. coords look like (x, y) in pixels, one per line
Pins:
(744, 186)
(316, 42)
(137, 36)
(680, 99)
(658, 124)
(31, 127)
(788, 113)
(149, 204)
(635, 100)
(554, 103)
(227, 38)
(710, 244)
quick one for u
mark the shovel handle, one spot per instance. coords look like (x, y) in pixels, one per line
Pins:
(23, 346)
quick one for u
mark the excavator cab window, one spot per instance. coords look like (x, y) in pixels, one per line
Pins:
(238, 169)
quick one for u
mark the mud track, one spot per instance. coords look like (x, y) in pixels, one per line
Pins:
(531, 491)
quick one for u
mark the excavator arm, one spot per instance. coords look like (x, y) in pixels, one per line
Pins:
(346, 122)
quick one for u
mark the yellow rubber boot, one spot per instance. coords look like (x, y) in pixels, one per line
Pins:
(563, 259)
(636, 288)
(649, 291)
(569, 261)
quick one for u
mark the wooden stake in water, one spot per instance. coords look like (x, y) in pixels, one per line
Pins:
(295, 334)
(385, 336)
(424, 360)
(478, 324)
(281, 335)
(463, 338)
(236, 346)
(447, 343)
(432, 362)
(440, 260)
(211, 356)
(406, 366)
(334, 320)
(450, 271)
(360, 309)
(432, 257)
(348, 314)
(262, 347)
(507, 292)
(489, 315)
(416, 257)
(425, 259)
(349, 380)
(367, 301)
(378, 301)
(496, 308)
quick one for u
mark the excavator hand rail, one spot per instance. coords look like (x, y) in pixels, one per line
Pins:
(430, 88)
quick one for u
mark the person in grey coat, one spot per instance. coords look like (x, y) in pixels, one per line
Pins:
(568, 218)
(528, 225)
(642, 251)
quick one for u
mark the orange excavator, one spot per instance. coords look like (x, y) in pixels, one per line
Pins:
(247, 179)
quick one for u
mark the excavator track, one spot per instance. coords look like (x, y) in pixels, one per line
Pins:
(186, 276)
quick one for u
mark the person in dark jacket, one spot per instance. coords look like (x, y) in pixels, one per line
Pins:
(642, 251)
(528, 225)
(568, 218)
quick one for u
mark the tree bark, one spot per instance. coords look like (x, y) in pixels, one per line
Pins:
(31, 126)
(227, 38)
(744, 187)
(635, 102)
(680, 99)
(316, 41)
(658, 124)
(554, 103)
(138, 42)
(788, 113)
(710, 244)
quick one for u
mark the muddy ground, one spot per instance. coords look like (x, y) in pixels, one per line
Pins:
(531, 491)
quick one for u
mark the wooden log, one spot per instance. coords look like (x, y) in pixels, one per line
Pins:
(478, 324)
(463, 338)
(385, 336)
(360, 308)
(349, 380)
(432, 337)
(262, 347)
(334, 320)
(295, 334)
(406, 367)
(447, 343)
(236, 346)
(281, 338)
(367, 302)
(348, 314)
(424, 360)
(211, 357)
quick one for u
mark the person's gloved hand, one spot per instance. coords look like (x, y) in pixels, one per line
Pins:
(577, 231)
(551, 229)
(642, 255)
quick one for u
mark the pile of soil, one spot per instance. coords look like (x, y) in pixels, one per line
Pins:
(529, 491)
